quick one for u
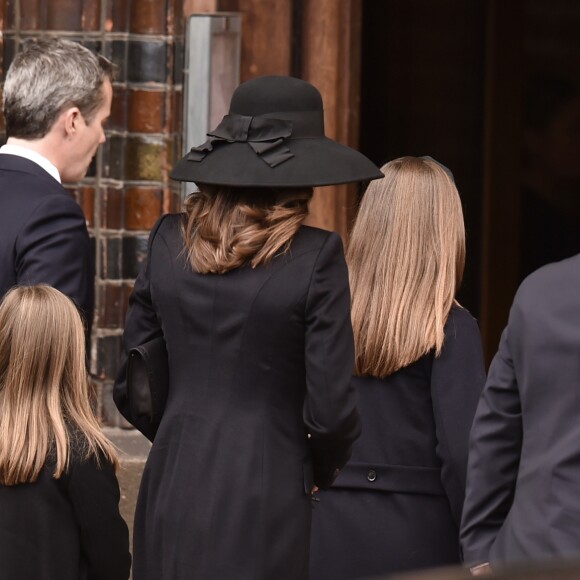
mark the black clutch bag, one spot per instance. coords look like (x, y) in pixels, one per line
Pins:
(148, 380)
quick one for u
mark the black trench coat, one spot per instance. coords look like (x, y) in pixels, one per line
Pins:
(397, 503)
(259, 358)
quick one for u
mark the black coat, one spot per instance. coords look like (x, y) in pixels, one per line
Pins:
(397, 503)
(65, 529)
(523, 488)
(43, 234)
(259, 358)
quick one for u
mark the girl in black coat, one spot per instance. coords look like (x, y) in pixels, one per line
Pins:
(58, 490)
(254, 308)
(397, 503)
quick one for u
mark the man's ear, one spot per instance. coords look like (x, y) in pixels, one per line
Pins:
(71, 118)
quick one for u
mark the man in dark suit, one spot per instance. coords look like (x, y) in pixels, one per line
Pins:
(523, 486)
(56, 98)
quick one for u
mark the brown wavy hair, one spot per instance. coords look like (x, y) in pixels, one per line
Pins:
(406, 256)
(228, 227)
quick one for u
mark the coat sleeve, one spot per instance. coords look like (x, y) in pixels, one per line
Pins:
(94, 493)
(457, 379)
(330, 412)
(141, 326)
(54, 248)
(495, 446)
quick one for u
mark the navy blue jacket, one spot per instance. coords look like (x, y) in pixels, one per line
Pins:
(396, 505)
(43, 234)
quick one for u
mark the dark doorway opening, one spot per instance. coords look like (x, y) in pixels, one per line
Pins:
(490, 89)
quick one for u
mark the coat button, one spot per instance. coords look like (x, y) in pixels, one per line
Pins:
(371, 475)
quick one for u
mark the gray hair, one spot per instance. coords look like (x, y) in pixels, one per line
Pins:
(49, 75)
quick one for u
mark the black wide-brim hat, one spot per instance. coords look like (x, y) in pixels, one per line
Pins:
(274, 136)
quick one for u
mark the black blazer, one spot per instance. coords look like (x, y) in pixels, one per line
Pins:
(43, 234)
(258, 359)
(397, 503)
(523, 487)
(65, 529)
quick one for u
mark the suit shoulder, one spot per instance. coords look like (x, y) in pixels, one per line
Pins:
(23, 176)
(32, 197)
(55, 204)
(549, 279)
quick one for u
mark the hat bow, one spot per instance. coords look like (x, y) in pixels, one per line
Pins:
(264, 135)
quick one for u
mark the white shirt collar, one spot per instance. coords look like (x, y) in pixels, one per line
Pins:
(32, 156)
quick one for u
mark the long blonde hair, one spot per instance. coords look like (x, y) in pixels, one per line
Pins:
(406, 257)
(228, 227)
(44, 392)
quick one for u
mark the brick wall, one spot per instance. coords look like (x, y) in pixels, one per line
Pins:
(127, 187)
